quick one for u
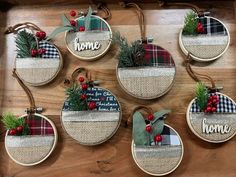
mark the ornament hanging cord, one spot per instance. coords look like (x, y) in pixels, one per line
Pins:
(140, 17)
(145, 108)
(19, 26)
(103, 7)
(32, 108)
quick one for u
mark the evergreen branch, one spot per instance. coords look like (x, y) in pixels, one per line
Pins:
(10, 121)
(202, 96)
(190, 23)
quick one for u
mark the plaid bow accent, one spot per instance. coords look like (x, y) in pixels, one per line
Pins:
(225, 105)
(169, 137)
(157, 56)
(96, 24)
(51, 51)
(212, 26)
(39, 126)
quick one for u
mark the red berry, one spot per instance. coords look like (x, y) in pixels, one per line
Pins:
(84, 86)
(19, 129)
(158, 138)
(81, 28)
(209, 103)
(200, 28)
(42, 34)
(38, 34)
(148, 128)
(208, 109)
(44, 51)
(215, 97)
(213, 109)
(73, 23)
(150, 117)
(92, 105)
(81, 79)
(34, 52)
(41, 51)
(214, 101)
(83, 97)
(12, 132)
(72, 13)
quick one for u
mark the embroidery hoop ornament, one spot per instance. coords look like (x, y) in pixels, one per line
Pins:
(134, 152)
(121, 77)
(33, 78)
(205, 48)
(83, 133)
(32, 111)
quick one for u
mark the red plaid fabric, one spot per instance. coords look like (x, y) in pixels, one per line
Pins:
(95, 24)
(39, 126)
(157, 56)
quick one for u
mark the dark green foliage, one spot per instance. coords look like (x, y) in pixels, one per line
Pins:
(75, 103)
(25, 42)
(129, 56)
(202, 96)
(190, 24)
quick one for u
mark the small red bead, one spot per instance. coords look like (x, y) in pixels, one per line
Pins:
(72, 13)
(92, 105)
(73, 23)
(83, 97)
(19, 129)
(158, 138)
(34, 52)
(41, 51)
(214, 101)
(148, 128)
(81, 28)
(12, 132)
(213, 109)
(209, 103)
(42, 34)
(81, 79)
(38, 34)
(208, 109)
(150, 117)
(84, 86)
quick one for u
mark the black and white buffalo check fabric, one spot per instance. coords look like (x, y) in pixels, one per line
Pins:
(225, 105)
(169, 137)
(51, 51)
(212, 26)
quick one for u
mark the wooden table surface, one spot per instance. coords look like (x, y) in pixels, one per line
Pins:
(113, 158)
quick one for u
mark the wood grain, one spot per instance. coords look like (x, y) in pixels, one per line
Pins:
(113, 158)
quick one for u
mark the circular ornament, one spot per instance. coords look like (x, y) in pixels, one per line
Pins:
(96, 124)
(215, 126)
(35, 143)
(37, 61)
(203, 37)
(89, 44)
(153, 78)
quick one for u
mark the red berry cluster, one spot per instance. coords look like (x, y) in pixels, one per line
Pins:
(73, 22)
(40, 35)
(200, 28)
(17, 130)
(157, 138)
(91, 105)
(212, 104)
(35, 52)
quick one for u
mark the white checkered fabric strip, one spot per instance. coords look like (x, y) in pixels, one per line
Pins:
(225, 105)
(51, 51)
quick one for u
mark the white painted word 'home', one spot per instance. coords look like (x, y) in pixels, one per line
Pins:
(80, 46)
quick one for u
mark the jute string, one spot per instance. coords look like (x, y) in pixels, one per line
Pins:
(139, 11)
(141, 107)
(104, 8)
(19, 26)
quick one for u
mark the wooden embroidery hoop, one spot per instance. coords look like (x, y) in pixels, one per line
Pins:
(198, 58)
(49, 153)
(33, 110)
(143, 39)
(199, 135)
(149, 110)
(88, 76)
(32, 27)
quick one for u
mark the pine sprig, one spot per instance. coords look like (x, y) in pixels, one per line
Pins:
(202, 96)
(129, 56)
(74, 98)
(190, 24)
(25, 42)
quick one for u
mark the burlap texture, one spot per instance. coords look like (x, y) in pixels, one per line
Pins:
(38, 71)
(207, 48)
(216, 118)
(147, 86)
(158, 159)
(87, 53)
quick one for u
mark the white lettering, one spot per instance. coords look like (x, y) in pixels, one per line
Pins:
(86, 45)
(215, 128)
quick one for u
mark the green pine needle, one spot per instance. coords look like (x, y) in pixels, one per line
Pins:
(75, 103)
(25, 42)
(202, 96)
(190, 24)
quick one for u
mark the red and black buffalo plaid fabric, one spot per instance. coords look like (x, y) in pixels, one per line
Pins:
(157, 56)
(39, 126)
